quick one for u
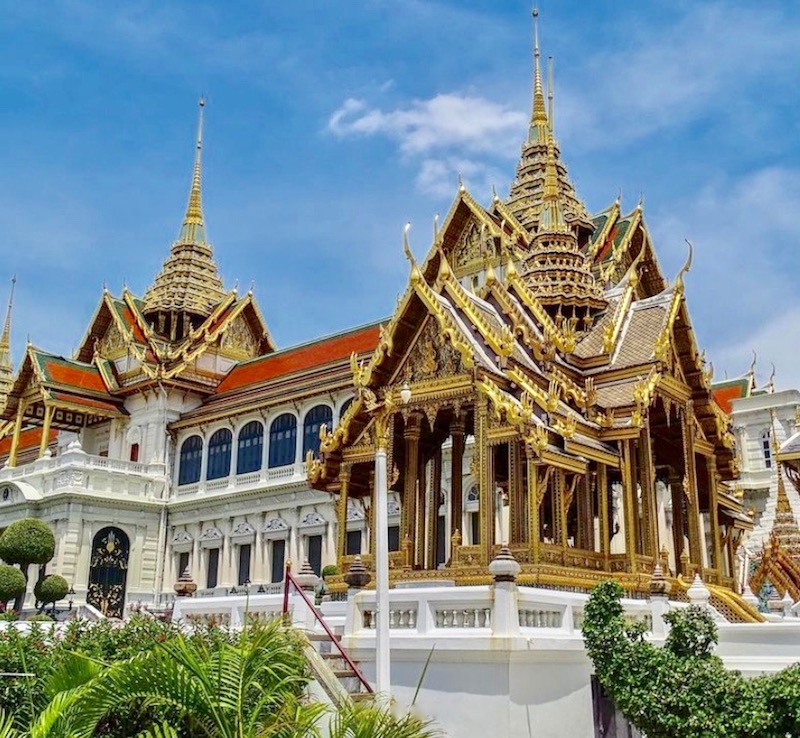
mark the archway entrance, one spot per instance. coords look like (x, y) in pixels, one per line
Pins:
(108, 572)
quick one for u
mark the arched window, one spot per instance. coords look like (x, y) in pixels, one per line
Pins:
(345, 407)
(191, 460)
(219, 454)
(766, 444)
(282, 440)
(314, 419)
(250, 446)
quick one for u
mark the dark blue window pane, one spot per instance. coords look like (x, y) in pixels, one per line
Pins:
(251, 444)
(344, 408)
(219, 454)
(191, 460)
(314, 419)
(282, 440)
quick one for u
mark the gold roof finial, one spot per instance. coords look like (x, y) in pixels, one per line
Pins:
(550, 95)
(771, 384)
(6, 365)
(538, 131)
(193, 229)
(751, 372)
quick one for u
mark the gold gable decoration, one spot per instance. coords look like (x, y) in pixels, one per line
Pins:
(238, 340)
(431, 357)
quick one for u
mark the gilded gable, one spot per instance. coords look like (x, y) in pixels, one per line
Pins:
(238, 340)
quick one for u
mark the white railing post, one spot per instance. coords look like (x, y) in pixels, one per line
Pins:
(505, 618)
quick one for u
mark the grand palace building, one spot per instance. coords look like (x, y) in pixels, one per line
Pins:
(539, 385)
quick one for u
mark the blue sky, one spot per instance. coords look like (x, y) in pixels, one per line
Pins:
(329, 125)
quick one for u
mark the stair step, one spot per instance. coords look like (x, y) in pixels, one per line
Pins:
(344, 673)
(359, 696)
(320, 637)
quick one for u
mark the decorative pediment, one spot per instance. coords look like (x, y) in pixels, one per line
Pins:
(113, 344)
(430, 357)
(313, 521)
(238, 340)
(243, 530)
(275, 528)
(354, 511)
(474, 247)
(393, 508)
(182, 541)
(211, 537)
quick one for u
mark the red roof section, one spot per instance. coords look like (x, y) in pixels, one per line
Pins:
(73, 375)
(727, 394)
(130, 319)
(321, 352)
(30, 438)
(85, 402)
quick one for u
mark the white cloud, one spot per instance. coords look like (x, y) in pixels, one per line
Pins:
(448, 121)
(439, 176)
(742, 290)
(705, 63)
(775, 342)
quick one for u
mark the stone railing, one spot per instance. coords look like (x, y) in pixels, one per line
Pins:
(276, 477)
(74, 469)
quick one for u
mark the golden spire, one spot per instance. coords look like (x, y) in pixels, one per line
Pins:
(552, 217)
(6, 366)
(193, 229)
(189, 281)
(538, 130)
(5, 339)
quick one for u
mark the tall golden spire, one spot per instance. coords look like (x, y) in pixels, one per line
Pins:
(538, 129)
(6, 365)
(193, 229)
(525, 199)
(189, 283)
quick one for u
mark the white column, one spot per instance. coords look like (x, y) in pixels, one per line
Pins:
(234, 451)
(194, 564)
(227, 580)
(381, 532)
(258, 574)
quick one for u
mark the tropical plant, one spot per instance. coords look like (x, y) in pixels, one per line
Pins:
(683, 689)
(170, 684)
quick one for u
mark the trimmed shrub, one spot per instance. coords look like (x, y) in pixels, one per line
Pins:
(51, 589)
(27, 542)
(12, 583)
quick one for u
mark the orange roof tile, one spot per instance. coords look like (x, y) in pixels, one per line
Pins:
(726, 394)
(29, 438)
(73, 374)
(85, 401)
(323, 351)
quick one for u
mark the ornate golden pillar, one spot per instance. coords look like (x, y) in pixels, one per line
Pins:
(48, 419)
(713, 491)
(457, 429)
(585, 509)
(629, 506)
(344, 484)
(604, 514)
(690, 485)
(433, 509)
(516, 494)
(485, 478)
(534, 501)
(12, 456)
(411, 436)
(678, 496)
(647, 479)
(420, 502)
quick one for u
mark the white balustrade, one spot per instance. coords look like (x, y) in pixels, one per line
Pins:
(75, 469)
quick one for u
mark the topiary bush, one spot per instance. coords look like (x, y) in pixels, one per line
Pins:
(329, 570)
(12, 583)
(27, 542)
(51, 589)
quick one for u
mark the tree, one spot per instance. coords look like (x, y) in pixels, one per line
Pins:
(682, 688)
(12, 583)
(50, 589)
(25, 542)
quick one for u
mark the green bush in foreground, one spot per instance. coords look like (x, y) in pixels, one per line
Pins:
(683, 689)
